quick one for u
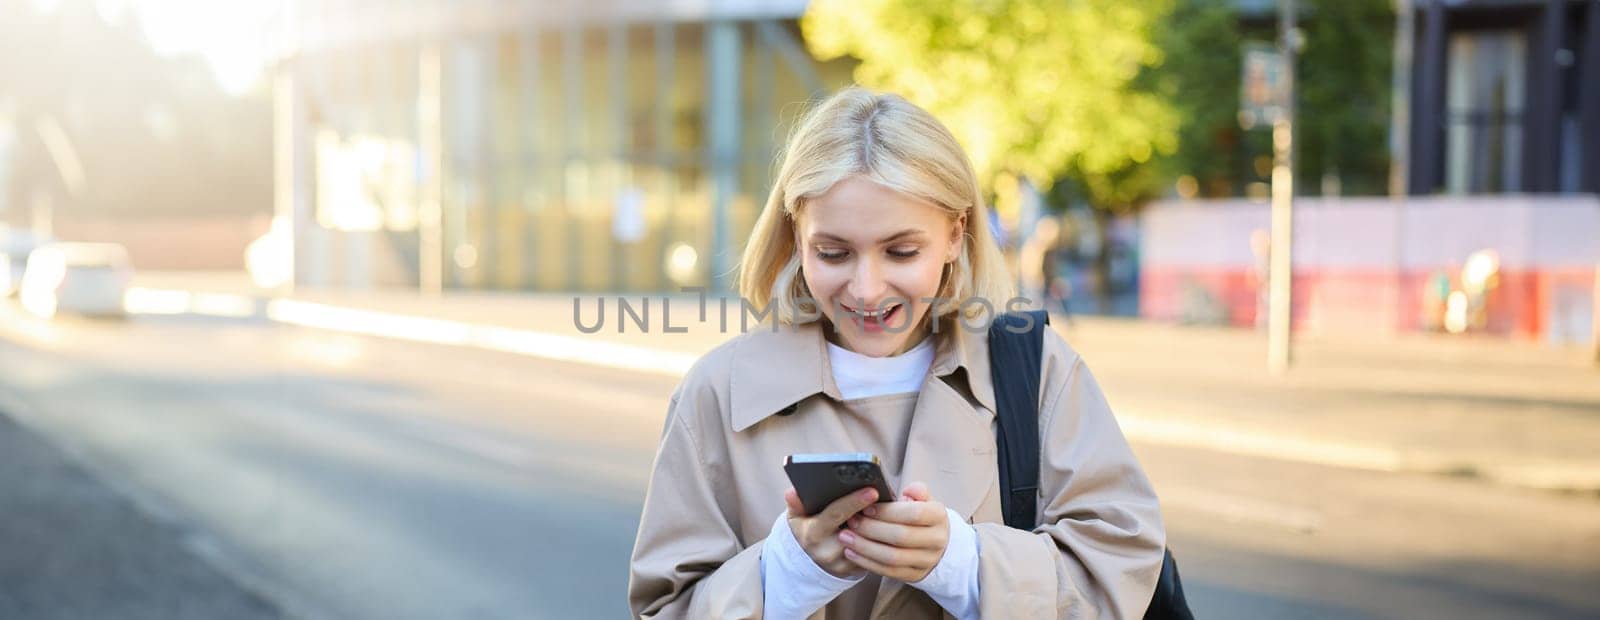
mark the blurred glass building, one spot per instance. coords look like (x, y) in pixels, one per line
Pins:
(531, 144)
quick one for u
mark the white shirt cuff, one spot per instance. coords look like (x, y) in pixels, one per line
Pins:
(792, 584)
(953, 582)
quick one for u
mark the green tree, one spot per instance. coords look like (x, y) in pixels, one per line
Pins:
(1200, 77)
(1041, 89)
(1341, 85)
(1342, 79)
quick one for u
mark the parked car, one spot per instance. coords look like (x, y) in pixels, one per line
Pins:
(15, 246)
(77, 278)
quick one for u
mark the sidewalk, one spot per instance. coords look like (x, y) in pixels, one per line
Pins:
(1509, 412)
(72, 548)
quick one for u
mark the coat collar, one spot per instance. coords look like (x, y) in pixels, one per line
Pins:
(948, 447)
(774, 369)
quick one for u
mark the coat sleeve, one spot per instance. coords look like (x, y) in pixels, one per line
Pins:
(1098, 549)
(687, 560)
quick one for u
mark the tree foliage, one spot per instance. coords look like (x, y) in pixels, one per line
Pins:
(1200, 76)
(1343, 83)
(1037, 88)
(1122, 98)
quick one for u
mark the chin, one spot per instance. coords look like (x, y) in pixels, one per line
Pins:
(882, 344)
(877, 347)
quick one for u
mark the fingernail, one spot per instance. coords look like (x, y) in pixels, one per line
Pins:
(846, 537)
(871, 511)
(869, 494)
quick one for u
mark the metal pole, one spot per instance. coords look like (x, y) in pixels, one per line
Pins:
(1281, 270)
(486, 89)
(723, 48)
(530, 172)
(574, 150)
(1400, 135)
(430, 246)
(620, 165)
(1400, 100)
(287, 134)
(665, 156)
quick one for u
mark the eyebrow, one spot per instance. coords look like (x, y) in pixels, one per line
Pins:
(909, 232)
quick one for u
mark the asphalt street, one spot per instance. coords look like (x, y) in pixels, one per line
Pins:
(343, 476)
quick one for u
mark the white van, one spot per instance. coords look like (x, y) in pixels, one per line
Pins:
(77, 278)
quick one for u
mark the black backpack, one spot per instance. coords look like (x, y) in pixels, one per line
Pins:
(1015, 361)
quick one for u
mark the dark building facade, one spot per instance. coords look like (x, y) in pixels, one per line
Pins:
(1505, 97)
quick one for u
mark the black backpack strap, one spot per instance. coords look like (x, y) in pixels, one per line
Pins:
(1016, 351)
(1016, 363)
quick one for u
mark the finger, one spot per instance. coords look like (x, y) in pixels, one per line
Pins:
(792, 500)
(896, 534)
(909, 513)
(873, 566)
(841, 509)
(883, 554)
(917, 491)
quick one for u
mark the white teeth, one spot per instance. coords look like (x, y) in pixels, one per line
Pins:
(879, 314)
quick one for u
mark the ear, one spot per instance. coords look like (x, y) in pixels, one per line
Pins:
(958, 237)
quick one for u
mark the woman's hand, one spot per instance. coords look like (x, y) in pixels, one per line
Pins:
(819, 534)
(901, 540)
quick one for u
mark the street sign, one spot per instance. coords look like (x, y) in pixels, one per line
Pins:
(1261, 86)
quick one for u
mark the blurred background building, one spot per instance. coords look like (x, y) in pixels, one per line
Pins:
(1494, 155)
(627, 146)
(615, 146)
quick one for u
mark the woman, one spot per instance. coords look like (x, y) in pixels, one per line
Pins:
(876, 212)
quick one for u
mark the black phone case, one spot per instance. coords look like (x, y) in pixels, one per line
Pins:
(819, 484)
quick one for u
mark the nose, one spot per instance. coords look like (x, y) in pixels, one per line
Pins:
(867, 284)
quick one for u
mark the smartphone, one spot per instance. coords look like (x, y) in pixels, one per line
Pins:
(820, 479)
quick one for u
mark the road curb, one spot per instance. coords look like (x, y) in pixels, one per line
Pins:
(1547, 476)
(1137, 426)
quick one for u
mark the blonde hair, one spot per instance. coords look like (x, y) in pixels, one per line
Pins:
(889, 141)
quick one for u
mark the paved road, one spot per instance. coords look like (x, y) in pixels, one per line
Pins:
(344, 476)
(74, 547)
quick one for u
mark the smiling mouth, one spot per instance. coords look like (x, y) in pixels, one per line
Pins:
(877, 317)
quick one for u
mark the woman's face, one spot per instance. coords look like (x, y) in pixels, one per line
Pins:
(871, 257)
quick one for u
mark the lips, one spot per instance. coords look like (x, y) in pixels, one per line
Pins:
(874, 320)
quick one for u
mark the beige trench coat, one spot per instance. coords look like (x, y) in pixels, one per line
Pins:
(718, 484)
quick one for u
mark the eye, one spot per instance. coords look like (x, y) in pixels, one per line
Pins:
(904, 253)
(832, 255)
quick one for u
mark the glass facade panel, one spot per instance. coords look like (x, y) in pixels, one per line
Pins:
(1485, 99)
(575, 157)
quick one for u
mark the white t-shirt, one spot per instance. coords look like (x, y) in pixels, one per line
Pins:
(862, 376)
